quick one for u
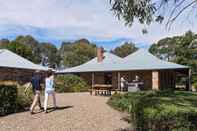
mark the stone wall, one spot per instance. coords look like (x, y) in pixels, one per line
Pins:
(20, 75)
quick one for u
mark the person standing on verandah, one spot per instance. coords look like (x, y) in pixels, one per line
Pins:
(49, 90)
(123, 83)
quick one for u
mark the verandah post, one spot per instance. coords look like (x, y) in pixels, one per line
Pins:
(92, 83)
(155, 80)
(189, 80)
(119, 81)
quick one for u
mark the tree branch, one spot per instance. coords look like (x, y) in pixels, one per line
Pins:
(180, 12)
(173, 11)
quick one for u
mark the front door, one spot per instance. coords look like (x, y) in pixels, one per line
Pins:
(108, 78)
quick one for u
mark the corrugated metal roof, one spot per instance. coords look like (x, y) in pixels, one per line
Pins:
(12, 60)
(108, 59)
(142, 59)
(139, 60)
(94, 65)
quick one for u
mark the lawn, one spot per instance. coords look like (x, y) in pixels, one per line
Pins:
(161, 110)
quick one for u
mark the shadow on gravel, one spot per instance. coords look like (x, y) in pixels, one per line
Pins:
(51, 109)
(19, 111)
(127, 119)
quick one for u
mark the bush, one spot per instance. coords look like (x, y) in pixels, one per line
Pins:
(159, 111)
(70, 83)
(8, 96)
(195, 85)
(24, 99)
(13, 98)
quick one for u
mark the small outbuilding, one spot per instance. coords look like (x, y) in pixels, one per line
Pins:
(16, 68)
(106, 70)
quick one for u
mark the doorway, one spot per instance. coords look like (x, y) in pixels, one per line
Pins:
(108, 78)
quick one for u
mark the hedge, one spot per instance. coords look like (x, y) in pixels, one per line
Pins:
(14, 99)
(159, 111)
(8, 98)
(70, 83)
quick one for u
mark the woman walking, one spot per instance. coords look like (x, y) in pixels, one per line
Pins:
(49, 90)
(36, 86)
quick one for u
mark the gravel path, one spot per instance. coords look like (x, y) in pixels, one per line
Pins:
(79, 112)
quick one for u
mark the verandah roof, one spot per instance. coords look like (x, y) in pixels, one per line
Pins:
(139, 60)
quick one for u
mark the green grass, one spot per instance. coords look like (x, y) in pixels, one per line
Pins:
(171, 110)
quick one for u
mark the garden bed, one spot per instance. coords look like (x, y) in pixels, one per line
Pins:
(162, 110)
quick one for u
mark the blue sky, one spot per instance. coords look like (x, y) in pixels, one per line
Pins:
(68, 20)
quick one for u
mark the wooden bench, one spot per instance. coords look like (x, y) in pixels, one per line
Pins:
(102, 89)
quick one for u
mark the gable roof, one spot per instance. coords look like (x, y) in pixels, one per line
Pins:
(143, 60)
(109, 58)
(94, 65)
(11, 60)
(139, 60)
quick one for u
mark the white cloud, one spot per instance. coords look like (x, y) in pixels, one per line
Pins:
(69, 19)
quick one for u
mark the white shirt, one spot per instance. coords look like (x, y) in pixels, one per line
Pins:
(122, 82)
(49, 82)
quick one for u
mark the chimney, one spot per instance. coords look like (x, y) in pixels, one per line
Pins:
(100, 52)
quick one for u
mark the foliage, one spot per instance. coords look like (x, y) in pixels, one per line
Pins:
(178, 49)
(148, 11)
(19, 49)
(129, 10)
(4, 42)
(70, 54)
(13, 97)
(8, 96)
(26, 40)
(24, 99)
(77, 53)
(165, 48)
(30, 48)
(195, 85)
(70, 83)
(50, 52)
(31, 43)
(125, 49)
(162, 110)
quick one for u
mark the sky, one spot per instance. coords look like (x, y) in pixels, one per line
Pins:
(68, 20)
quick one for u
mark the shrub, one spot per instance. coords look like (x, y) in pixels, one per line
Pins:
(13, 98)
(195, 85)
(8, 96)
(70, 83)
(159, 111)
(24, 99)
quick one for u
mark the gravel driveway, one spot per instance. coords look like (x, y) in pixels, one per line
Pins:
(78, 112)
